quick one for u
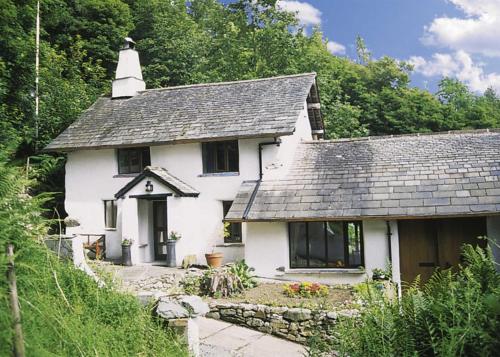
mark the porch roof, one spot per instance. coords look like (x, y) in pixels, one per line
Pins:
(162, 175)
(441, 174)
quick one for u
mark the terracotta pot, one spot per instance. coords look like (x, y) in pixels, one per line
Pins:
(214, 260)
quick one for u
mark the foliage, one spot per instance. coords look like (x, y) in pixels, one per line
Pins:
(305, 289)
(226, 281)
(454, 314)
(63, 311)
(127, 241)
(174, 235)
(244, 273)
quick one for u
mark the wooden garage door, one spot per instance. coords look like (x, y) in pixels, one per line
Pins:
(425, 245)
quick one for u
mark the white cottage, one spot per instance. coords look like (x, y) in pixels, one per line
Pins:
(143, 163)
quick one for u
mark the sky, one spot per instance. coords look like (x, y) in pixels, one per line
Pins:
(454, 38)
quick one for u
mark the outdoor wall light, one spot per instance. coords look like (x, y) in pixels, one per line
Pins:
(149, 186)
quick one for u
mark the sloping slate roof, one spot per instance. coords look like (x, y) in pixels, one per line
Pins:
(407, 176)
(262, 107)
(175, 184)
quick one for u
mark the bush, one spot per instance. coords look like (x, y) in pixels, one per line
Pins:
(454, 314)
(221, 282)
(305, 289)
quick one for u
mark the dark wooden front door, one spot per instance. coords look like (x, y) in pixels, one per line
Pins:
(425, 245)
(160, 229)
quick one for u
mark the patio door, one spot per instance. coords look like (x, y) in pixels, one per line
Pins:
(160, 229)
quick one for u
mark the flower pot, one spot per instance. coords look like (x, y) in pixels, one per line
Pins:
(214, 260)
(126, 255)
(171, 261)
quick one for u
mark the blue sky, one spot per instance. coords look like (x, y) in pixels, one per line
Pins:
(456, 38)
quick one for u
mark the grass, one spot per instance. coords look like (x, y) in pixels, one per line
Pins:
(272, 294)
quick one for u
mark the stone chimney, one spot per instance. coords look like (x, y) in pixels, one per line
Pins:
(128, 80)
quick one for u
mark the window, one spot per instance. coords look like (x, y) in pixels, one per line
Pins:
(233, 228)
(220, 156)
(133, 160)
(110, 214)
(326, 244)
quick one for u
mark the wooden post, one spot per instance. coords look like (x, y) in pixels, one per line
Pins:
(14, 304)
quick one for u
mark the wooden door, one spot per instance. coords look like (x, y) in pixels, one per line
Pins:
(160, 229)
(427, 244)
(418, 249)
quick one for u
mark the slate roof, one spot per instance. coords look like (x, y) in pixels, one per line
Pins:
(253, 108)
(444, 174)
(175, 184)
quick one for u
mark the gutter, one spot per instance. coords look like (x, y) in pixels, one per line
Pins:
(276, 142)
(389, 235)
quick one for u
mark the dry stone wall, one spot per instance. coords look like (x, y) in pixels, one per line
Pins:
(295, 324)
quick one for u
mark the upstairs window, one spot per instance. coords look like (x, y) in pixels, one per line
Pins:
(326, 244)
(110, 214)
(233, 228)
(133, 160)
(220, 156)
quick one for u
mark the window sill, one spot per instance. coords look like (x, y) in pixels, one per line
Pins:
(217, 174)
(126, 175)
(110, 229)
(143, 245)
(231, 245)
(325, 271)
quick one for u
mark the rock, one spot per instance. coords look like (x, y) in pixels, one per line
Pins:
(331, 315)
(169, 309)
(188, 261)
(255, 322)
(228, 312)
(248, 313)
(297, 314)
(194, 304)
(213, 315)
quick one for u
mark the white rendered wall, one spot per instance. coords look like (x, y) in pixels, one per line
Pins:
(267, 250)
(92, 176)
(493, 232)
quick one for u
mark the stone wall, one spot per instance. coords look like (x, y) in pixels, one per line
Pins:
(295, 324)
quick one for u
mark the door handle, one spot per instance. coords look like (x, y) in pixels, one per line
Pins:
(427, 264)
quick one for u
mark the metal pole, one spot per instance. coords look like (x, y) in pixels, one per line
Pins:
(37, 70)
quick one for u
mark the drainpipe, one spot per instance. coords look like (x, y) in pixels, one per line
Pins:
(389, 235)
(276, 142)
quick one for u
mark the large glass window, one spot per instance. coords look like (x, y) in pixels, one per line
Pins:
(326, 244)
(110, 214)
(220, 156)
(133, 160)
(233, 228)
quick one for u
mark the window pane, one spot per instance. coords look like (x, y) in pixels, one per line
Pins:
(335, 237)
(221, 157)
(123, 162)
(110, 214)
(298, 248)
(232, 155)
(317, 253)
(354, 239)
(146, 158)
(134, 161)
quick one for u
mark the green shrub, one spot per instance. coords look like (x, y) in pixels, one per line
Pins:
(191, 284)
(244, 273)
(454, 314)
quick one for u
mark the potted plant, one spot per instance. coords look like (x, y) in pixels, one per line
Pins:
(214, 259)
(173, 237)
(126, 253)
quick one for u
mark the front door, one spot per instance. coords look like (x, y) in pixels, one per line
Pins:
(427, 244)
(160, 229)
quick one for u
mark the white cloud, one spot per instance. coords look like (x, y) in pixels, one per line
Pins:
(306, 13)
(459, 65)
(476, 33)
(335, 48)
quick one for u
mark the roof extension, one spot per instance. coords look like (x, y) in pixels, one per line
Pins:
(202, 112)
(180, 188)
(443, 174)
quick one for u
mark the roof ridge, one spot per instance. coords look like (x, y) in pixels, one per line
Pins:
(229, 82)
(381, 137)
